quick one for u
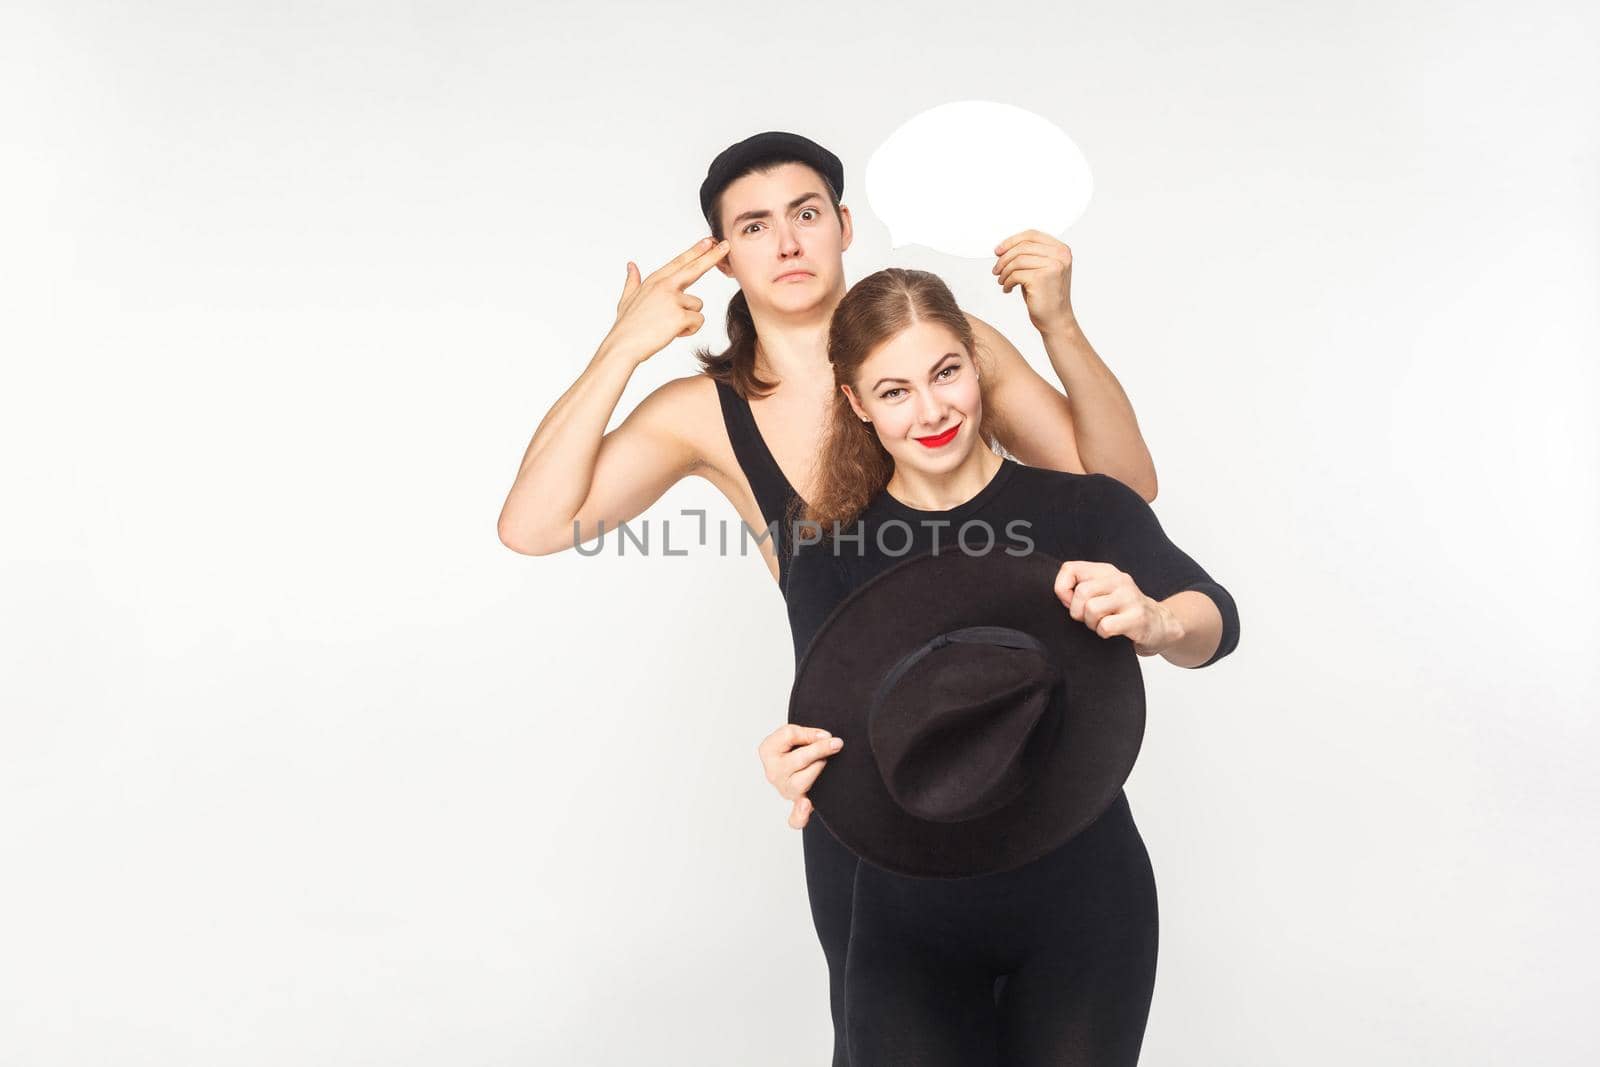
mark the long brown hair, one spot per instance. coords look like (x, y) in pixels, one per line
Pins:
(736, 364)
(854, 466)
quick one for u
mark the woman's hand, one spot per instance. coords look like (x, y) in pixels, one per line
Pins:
(1108, 602)
(653, 311)
(1042, 265)
(793, 756)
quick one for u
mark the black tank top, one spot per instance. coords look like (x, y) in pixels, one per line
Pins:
(772, 489)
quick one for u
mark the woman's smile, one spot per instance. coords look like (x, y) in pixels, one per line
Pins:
(940, 440)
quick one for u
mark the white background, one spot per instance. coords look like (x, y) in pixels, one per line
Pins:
(300, 765)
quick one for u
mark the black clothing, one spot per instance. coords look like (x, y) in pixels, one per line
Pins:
(1053, 962)
(1073, 935)
(1068, 516)
(830, 867)
(1112, 899)
(772, 489)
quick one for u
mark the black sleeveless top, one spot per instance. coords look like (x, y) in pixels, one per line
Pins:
(772, 489)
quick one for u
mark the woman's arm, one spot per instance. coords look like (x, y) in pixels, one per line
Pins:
(1192, 620)
(1192, 629)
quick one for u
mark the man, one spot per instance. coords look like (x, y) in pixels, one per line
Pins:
(772, 203)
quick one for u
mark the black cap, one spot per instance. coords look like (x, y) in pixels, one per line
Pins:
(770, 147)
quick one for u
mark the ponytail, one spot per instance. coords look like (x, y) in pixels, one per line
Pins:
(736, 365)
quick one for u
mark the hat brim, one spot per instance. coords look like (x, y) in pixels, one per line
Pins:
(1101, 704)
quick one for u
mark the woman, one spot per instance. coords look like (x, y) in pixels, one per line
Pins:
(749, 421)
(1054, 962)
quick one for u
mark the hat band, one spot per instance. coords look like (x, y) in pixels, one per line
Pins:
(970, 635)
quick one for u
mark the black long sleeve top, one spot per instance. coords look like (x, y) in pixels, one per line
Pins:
(1067, 516)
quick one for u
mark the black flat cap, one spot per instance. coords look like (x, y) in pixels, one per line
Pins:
(770, 147)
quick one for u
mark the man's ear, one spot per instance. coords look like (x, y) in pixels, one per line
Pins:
(846, 231)
(722, 265)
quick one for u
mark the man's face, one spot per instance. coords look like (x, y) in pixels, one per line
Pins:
(918, 387)
(785, 245)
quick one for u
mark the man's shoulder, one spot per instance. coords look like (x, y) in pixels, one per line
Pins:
(689, 409)
(691, 389)
(681, 403)
(987, 336)
(974, 321)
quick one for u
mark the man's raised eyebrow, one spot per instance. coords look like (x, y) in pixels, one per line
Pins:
(931, 369)
(796, 202)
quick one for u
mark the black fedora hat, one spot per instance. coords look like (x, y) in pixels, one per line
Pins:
(983, 726)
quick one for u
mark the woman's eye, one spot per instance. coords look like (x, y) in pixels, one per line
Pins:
(948, 370)
(888, 393)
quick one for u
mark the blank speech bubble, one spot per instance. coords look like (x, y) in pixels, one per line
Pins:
(962, 177)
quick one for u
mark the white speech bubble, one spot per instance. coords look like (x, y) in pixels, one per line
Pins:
(962, 177)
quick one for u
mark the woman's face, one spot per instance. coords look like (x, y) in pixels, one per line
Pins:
(920, 389)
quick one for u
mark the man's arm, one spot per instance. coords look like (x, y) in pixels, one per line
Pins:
(574, 472)
(1090, 430)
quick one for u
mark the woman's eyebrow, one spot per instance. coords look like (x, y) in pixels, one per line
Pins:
(931, 370)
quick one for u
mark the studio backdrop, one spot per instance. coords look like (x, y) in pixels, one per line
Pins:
(299, 764)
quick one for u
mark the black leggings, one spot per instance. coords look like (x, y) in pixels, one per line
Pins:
(1052, 963)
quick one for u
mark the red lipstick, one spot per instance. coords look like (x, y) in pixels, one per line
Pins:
(940, 440)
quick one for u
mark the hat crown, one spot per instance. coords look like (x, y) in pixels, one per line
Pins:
(958, 726)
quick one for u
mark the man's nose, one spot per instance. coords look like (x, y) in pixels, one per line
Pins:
(788, 241)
